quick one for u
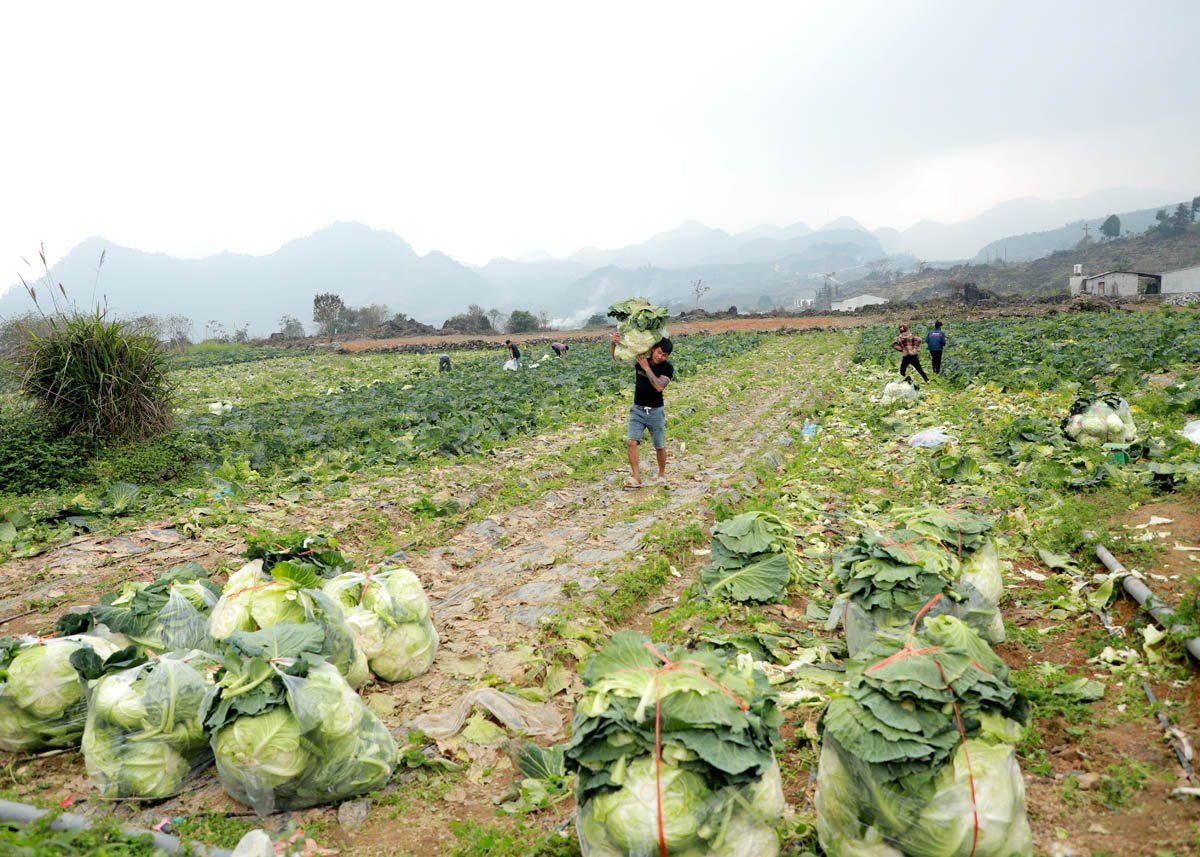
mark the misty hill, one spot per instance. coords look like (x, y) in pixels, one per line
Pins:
(1034, 245)
(1049, 275)
(362, 265)
(930, 240)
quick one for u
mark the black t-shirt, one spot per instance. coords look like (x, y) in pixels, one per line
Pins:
(644, 393)
(516, 352)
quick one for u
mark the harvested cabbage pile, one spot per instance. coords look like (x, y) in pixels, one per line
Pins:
(288, 731)
(387, 613)
(885, 578)
(641, 326)
(918, 758)
(753, 558)
(290, 592)
(1100, 419)
(42, 700)
(144, 737)
(169, 613)
(687, 737)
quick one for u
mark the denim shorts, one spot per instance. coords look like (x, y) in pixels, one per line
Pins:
(654, 419)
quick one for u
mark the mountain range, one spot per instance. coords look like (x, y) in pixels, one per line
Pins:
(760, 267)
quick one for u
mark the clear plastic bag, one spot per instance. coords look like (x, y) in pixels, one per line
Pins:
(144, 736)
(697, 822)
(323, 746)
(931, 438)
(388, 616)
(42, 698)
(253, 599)
(976, 806)
(518, 715)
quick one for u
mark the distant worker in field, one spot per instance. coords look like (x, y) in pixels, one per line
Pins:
(443, 362)
(559, 349)
(935, 341)
(648, 412)
(909, 347)
(514, 351)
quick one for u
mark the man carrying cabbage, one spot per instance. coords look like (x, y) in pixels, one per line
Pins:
(909, 347)
(648, 412)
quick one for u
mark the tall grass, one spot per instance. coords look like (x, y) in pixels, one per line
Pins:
(98, 376)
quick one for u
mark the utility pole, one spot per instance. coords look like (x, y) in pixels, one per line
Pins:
(1086, 229)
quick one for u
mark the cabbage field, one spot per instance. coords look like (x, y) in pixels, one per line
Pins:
(394, 611)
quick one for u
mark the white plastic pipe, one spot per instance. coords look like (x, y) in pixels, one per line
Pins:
(21, 813)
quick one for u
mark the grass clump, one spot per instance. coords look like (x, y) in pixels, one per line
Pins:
(96, 376)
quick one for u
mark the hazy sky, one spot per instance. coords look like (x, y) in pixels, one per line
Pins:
(499, 128)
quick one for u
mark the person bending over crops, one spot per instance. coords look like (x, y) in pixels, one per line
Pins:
(559, 349)
(514, 351)
(648, 412)
(443, 362)
(909, 347)
(935, 341)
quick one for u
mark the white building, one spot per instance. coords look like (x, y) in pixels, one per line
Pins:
(851, 304)
(1110, 284)
(1183, 280)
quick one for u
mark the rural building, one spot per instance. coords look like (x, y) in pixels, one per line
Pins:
(1182, 280)
(856, 302)
(1114, 284)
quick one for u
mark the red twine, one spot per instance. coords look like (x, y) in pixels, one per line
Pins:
(672, 666)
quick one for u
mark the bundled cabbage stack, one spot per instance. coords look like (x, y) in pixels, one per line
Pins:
(886, 578)
(641, 326)
(918, 758)
(144, 736)
(290, 592)
(1100, 419)
(388, 615)
(42, 699)
(169, 613)
(288, 731)
(685, 737)
(753, 558)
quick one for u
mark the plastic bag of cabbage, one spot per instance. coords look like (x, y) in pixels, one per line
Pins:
(939, 561)
(144, 735)
(169, 613)
(288, 731)
(387, 613)
(42, 699)
(253, 599)
(683, 736)
(1100, 419)
(903, 391)
(641, 326)
(918, 756)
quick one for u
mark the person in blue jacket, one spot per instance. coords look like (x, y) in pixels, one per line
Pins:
(935, 341)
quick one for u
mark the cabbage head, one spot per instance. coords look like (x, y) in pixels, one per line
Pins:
(117, 701)
(257, 753)
(629, 814)
(18, 728)
(745, 835)
(408, 652)
(41, 679)
(396, 593)
(367, 631)
(150, 769)
(946, 824)
(277, 602)
(360, 671)
(324, 701)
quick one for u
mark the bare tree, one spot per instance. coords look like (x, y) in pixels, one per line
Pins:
(698, 289)
(497, 319)
(543, 320)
